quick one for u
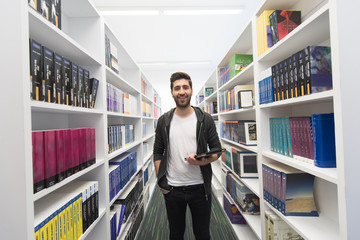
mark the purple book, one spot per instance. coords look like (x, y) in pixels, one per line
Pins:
(50, 158)
(60, 155)
(38, 160)
(93, 146)
(88, 146)
(82, 148)
(75, 136)
(68, 153)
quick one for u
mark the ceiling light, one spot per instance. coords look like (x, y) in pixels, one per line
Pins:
(130, 12)
(171, 63)
(203, 12)
(153, 63)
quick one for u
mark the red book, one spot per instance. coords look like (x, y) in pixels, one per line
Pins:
(60, 155)
(93, 146)
(82, 148)
(88, 147)
(68, 153)
(38, 156)
(50, 158)
(75, 137)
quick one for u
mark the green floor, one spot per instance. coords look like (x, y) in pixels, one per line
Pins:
(155, 226)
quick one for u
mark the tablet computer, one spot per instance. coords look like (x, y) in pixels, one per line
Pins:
(209, 153)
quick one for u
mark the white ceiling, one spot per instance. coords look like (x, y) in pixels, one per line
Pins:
(177, 40)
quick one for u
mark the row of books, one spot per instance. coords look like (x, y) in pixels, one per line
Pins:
(157, 112)
(239, 131)
(289, 190)
(131, 199)
(135, 221)
(121, 169)
(111, 55)
(241, 96)
(266, 92)
(309, 139)
(145, 87)
(246, 201)
(120, 136)
(237, 63)
(243, 163)
(146, 109)
(200, 99)
(68, 212)
(120, 101)
(57, 154)
(58, 80)
(232, 211)
(274, 25)
(276, 228)
(117, 212)
(211, 107)
(49, 9)
(148, 171)
(305, 72)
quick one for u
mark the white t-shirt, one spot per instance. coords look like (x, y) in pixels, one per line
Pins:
(183, 143)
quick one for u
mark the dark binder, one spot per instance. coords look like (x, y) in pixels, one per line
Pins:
(209, 153)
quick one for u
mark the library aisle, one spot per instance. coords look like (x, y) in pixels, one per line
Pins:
(155, 225)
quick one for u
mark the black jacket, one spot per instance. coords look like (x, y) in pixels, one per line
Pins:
(206, 136)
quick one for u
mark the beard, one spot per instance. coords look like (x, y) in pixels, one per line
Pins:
(182, 103)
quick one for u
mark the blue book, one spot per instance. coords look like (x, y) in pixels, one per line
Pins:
(323, 129)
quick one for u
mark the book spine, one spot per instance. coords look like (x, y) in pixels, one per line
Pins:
(60, 155)
(35, 70)
(307, 70)
(50, 158)
(74, 85)
(48, 76)
(67, 82)
(57, 93)
(82, 149)
(81, 91)
(75, 139)
(38, 156)
(301, 73)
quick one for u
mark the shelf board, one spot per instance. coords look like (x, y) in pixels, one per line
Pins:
(311, 227)
(251, 183)
(118, 81)
(46, 107)
(312, 98)
(146, 158)
(212, 97)
(67, 180)
(242, 110)
(250, 148)
(243, 77)
(253, 221)
(147, 118)
(45, 33)
(328, 174)
(102, 212)
(122, 150)
(148, 137)
(146, 98)
(117, 114)
(313, 31)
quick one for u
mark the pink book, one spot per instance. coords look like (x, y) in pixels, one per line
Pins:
(50, 158)
(60, 155)
(88, 147)
(93, 146)
(75, 137)
(38, 156)
(82, 148)
(68, 153)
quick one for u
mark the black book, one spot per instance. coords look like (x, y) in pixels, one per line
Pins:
(74, 85)
(273, 76)
(295, 68)
(307, 70)
(291, 77)
(35, 70)
(301, 73)
(58, 96)
(282, 81)
(48, 76)
(94, 84)
(273, 27)
(67, 82)
(209, 153)
(278, 88)
(286, 79)
(81, 87)
(86, 88)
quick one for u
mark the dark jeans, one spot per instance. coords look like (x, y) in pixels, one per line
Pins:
(200, 206)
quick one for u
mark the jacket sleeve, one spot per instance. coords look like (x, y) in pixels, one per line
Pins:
(159, 144)
(213, 137)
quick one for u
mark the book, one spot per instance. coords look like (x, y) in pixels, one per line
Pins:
(82, 149)
(86, 89)
(301, 73)
(67, 82)
(278, 228)
(239, 62)
(74, 85)
(323, 129)
(209, 91)
(264, 37)
(48, 76)
(81, 91)
(114, 64)
(250, 133)
(239, 88)
(94, 83)
(50, 158)
(38, 159)
(318, 73)
(283, 22)
(245, 163)
(35, 70)
(60, 155)
(75, 146)
(232, 212)
(58, 71)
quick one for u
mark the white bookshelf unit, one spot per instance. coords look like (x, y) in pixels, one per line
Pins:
(327, 23)
(81, 40)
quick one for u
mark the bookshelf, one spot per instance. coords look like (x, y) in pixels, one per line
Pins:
(323, 23)
(81, 40)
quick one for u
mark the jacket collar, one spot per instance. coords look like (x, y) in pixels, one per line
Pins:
(198, 112)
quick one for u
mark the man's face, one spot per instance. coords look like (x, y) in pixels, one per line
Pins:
(181, 93)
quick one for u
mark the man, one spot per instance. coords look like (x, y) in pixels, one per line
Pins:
(181, 134)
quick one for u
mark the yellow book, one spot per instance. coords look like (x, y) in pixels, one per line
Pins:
(62, 224)
(266, 28)
(259, 34)
(79, 225)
